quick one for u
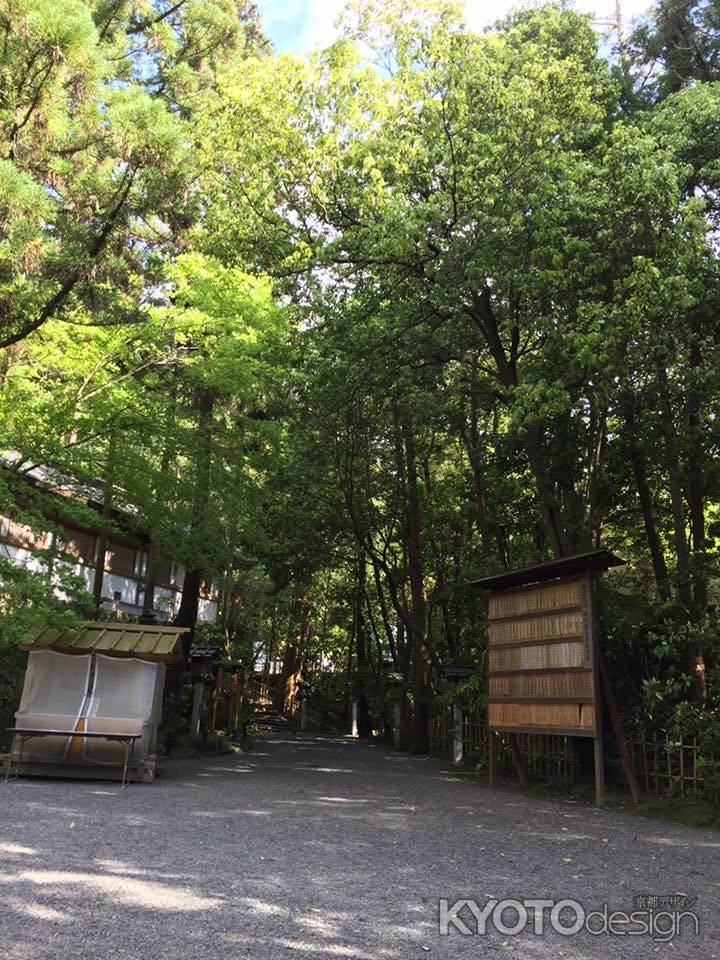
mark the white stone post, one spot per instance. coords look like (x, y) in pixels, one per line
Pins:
(396, 724)
(355, 718)
(457, 735)
(198, 689)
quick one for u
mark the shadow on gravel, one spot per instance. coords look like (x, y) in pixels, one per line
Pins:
(317, 847)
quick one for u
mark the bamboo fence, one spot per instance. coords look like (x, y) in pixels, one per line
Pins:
(666, 767)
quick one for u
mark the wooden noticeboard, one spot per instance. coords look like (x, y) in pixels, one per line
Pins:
(541, 658)
(543, 654)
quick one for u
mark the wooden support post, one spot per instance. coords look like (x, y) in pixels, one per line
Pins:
(217, 691)
(517, 759)
(234, 703)
(457, 735)
(492, 758)
(303, 714)
(599, 771)
(232, 699)
(626, 757)
(599, 757)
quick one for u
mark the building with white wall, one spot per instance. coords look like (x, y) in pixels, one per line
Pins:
(125, 567)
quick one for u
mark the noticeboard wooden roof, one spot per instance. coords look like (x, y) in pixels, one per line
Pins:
(540, 572)
(147, 641)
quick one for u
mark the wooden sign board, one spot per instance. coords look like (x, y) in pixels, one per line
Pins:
(543, 654)
(542, 658)
(455, 673)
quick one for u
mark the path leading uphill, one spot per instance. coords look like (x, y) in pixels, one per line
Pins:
(320, 847)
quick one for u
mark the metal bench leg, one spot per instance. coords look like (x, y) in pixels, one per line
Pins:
(123, 782)
(129, 750)
(18, 760)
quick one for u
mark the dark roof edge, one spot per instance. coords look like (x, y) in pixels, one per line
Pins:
(552, 569)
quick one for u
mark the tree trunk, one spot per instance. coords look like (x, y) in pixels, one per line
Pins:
(372, 622)
(483, 315)
(596, 462)
(384, 613)
(694, 660)
(290, 666)
(153, 564)
(361, 652)
(471, 439)
(187, 615)
(348, 679)
(696, 492)
(677, 505)
(404, 657)
(107, 508)
(293, 656)
(639, 465)
(420, 742)
(153, 561)
(547, 495)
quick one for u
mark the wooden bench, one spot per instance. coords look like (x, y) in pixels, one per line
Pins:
(24, 734)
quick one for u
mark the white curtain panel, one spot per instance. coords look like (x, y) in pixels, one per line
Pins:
(126, 698)
(53, 697)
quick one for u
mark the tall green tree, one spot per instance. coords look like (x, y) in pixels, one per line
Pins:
(96, 114)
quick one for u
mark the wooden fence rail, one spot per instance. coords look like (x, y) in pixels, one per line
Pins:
(258, 689)
(548, 756)
(313, 720)
(666, 766)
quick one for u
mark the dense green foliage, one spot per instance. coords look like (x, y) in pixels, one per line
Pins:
(346, 333)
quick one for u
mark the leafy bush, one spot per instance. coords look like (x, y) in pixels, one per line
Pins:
(470, 693)
(691, 720)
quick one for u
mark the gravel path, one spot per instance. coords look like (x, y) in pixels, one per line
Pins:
(315, 847)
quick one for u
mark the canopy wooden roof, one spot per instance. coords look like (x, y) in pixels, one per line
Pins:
(147, 641)
(539, 572)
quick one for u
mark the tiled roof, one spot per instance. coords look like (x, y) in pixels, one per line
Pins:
(124, 639)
